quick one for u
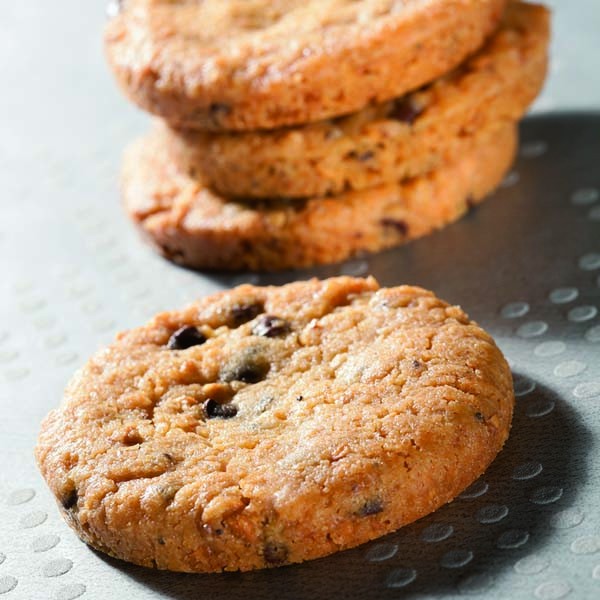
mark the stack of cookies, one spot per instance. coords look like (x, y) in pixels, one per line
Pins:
(302, 132)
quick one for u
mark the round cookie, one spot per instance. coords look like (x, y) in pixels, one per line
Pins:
(384, 143)
(249, 64)
(191, 225)
(266, 426)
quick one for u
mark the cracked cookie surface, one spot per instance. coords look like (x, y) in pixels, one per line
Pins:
(266, 426)
(250, 64)
(380, 144)
(193, 226)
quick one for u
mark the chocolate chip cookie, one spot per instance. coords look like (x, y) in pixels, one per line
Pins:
(248, 64)
(380, 144)
(193, 226)
(266, 426)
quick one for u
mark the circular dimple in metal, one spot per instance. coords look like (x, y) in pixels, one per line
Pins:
(44, 322)
(493, 513)
(479, 488)
(527, 470)
(381, 552)
(16, 374)
(569, 368)
(522, 385)
(44, 543)
(7, 584)
(548, 349)
(79, 289)
(20, 496)
(531, 565)
(103, 325)
(32, 305)
(546, 494)
(590, 262)
(514, 538)
(596, 572)
(54, 340)
(563, 295)
(540, 408)
(585, 196)
(33, 519)
(511, 179)
(589, 544)
(593, 334)
(58, 567)
(567, 519)
(594, 214)
(438, 532)
(552, 590)
(2, 558)
(579, 314)
(4, 335)
(533, 149)
(66, 358)
(514, 310)
(70, 592)
(532, 329)
(456, 559)
(401, 577)
(355, 268)
(7, 356)
(92, 307)
(589, 389)
(475, 584)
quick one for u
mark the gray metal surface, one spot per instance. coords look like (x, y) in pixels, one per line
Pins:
(526, 265)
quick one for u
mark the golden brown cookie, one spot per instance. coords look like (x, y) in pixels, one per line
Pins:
(248, 64)
(193, 226)
(266, 426)
(383, 143)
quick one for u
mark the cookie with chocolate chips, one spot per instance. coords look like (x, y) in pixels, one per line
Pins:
(381, 143)
(193, 226)
(336, 413)
(254, 64)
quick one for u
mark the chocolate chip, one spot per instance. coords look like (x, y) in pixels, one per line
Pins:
(405, 110)
(248, 367)
(242, 313)
(70, 500)
(361, 156)
(479, 417)
(219, 110)
(416, 364)
(270, 326)
(161, 541)
(186, 337)
(299, 398)
(275, 553)
(371, 507)
(397, 224)
(214, 410)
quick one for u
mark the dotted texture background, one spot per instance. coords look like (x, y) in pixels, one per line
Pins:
(526, 265)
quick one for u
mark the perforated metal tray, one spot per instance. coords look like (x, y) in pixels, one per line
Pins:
(526, 265)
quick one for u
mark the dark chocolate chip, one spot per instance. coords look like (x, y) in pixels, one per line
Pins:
(416, 364)
(361, 156)
(219, 110)
(371, 507)
(403, 109)
(270, 326)
(275, 553)
(186, 337)
(70, 500)
(242, 313)
(248, 367)
(299, 398)
(214, 410)
(397, 224)
(479, 417)
(161, 541)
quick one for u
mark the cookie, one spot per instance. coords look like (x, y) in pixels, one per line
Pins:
(384, 143)
(266, 426)
(249, 64)
(191, 225)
